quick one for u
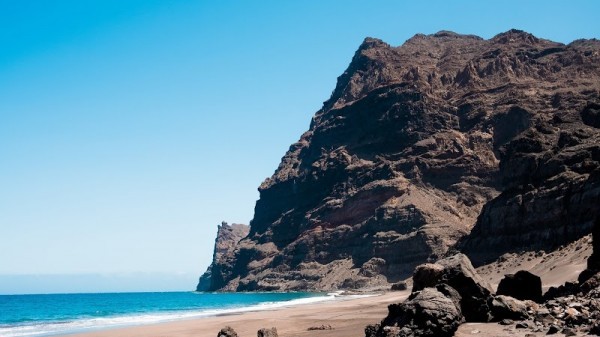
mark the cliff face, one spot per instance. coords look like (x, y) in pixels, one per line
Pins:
(227, 239)
(415, 142)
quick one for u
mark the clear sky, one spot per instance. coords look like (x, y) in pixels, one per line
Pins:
(130, 129)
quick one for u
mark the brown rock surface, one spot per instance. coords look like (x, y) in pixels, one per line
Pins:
(227, 239)
(413, 144)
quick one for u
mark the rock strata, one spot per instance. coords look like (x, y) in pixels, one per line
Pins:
(416, 145)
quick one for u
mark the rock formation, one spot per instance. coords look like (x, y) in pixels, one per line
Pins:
(227, 332)
(522, 285)
(458, 272)
(418, 144)
(455, 294)
(264, 332)
(594, 259)
(429, 313)
(227, 239)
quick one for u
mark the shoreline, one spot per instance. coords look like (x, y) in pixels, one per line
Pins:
(346, 316)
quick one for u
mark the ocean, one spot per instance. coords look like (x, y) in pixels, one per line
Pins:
(56, 314)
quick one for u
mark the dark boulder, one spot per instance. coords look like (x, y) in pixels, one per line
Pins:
(522, 285)
(595, 329)
(563, 290)
(458, 272)
(267, 332)
(592, 282)
(399, 286)
(553, 329)
(522, 325)
(227, 332)
(371, 330)
(427, 313)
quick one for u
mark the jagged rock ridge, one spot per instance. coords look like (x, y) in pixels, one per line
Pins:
(413, 144)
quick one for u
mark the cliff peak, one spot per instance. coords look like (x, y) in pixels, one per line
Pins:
(514, 36)
(370, 42)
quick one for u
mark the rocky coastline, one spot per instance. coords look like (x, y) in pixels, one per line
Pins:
(430, 163)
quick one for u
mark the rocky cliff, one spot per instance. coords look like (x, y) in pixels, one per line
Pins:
(418, 144)
(227, 239)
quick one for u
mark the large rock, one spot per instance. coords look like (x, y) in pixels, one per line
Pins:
(522, 285)
(264, 332)
(506, 307)
(427, 313)
(458, 272)
(399, 286)
(227, 332)
(427, 275)
(414, 142)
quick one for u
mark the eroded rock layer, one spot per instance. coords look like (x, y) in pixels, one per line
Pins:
(417, 144)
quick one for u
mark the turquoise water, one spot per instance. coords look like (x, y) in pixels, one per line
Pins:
(54, 314)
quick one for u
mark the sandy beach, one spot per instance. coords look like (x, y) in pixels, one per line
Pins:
(347, 317)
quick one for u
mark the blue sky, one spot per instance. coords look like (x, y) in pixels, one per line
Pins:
(130, 129)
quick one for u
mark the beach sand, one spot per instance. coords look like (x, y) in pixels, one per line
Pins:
(347, 317)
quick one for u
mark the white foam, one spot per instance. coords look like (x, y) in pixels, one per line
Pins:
(88, 324)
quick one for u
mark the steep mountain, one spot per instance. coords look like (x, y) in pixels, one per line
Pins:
(418, 144)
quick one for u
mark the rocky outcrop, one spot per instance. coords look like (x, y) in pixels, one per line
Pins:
(452, 286)
(417, 144)
(454, 294)
(226, 242)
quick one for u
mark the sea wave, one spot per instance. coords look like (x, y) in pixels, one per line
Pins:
(35, 329)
